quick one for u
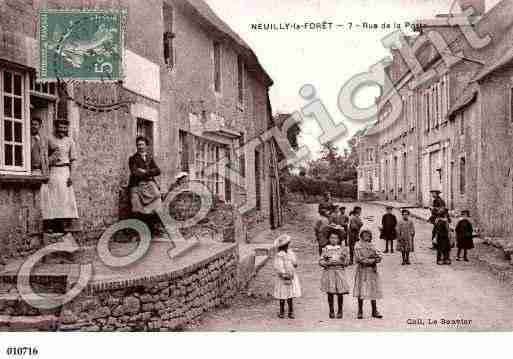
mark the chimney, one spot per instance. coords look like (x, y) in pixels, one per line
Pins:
(477, 5)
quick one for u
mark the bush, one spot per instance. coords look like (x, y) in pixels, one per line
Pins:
(315, 187)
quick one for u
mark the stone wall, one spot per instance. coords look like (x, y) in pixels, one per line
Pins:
(163, 302)
(106, 140)
(494, 186)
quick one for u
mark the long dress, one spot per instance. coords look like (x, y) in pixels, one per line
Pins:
(145, 195)
(284, 262)
(464, 234)
(367, 283)
(57, 198)
(333, 260)
(406, 233)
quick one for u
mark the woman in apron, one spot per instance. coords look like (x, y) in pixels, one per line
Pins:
(58, 202)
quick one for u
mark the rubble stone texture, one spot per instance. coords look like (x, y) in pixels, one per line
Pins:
(158, 304)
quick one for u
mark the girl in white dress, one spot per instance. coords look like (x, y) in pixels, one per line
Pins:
(286, 285)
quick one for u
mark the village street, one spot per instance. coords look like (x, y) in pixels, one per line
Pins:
(422, 290)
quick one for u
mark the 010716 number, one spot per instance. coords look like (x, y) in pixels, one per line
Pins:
(22, 351)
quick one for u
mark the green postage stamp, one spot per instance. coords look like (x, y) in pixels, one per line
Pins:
(85, 44)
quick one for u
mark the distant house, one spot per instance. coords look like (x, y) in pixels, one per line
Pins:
(195, 88)
(454, 131)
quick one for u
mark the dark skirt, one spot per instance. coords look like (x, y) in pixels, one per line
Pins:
(443, 243)
(464, 242)
(389, 234)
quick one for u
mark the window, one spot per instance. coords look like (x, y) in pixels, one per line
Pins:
(217, 66)
(42, 89)
(443, 104)
(428, 112)
(462, 175)
(227, 183)
(437, 105)
(258, 189)
(13, 127)
(169, 55)
(462, 123)
(242, 157)
(240, 78)
(207, 155)
(511, 104)
(145, 128)
(183, 151)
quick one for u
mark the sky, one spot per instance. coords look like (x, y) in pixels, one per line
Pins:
(326, 59)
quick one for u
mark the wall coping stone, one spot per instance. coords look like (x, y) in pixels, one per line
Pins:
(142, 273)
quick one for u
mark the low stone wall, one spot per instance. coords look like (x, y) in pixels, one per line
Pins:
(157, 301)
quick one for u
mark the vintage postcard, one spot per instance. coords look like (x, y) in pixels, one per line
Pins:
(262, 166)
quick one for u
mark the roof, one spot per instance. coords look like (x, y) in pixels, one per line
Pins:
(502, 61)
(201, 10)
(468, 96)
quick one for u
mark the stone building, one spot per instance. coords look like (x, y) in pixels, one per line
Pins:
(453, 132)
(194, 88)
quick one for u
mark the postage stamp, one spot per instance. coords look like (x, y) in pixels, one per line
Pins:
(84, 44)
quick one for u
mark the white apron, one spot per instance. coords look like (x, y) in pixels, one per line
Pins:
(57, 199)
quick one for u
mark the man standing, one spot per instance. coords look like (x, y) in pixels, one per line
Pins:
(340, 221)
(438, 202)
(323, 231)
(57, 197)
(326, 206)
(38, 157)
(437, 209)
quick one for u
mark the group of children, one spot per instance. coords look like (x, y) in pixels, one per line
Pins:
(443, 236)
(331, 231)
(402, 230)
(335, 228)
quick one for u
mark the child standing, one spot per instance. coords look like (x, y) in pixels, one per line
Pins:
(367, 284)
(322, 230)
(333, 280)
(355, 224)
(286, 286)
(389, 223)
(464, 235)
(406, 234)
(443, 243)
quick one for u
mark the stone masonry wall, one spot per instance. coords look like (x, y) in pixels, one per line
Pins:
(165, 303)
(494, 189)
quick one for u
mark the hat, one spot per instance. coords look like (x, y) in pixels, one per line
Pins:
(389, 207)
(435, 191)
(405, 211)
(282, 240)
(465, 212)
(181, 175)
